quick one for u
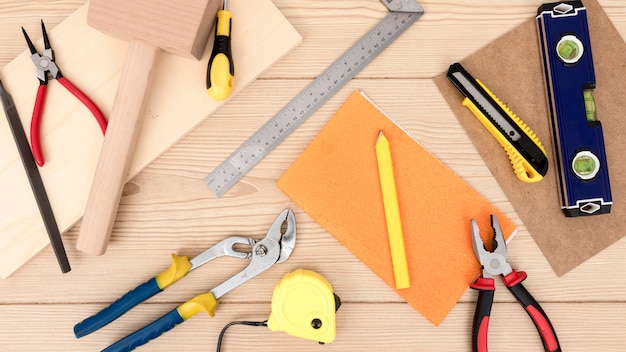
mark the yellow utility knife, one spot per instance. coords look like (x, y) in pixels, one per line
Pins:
(527, 155)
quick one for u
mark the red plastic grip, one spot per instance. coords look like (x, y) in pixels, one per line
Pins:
(481, 337)
(544, 327)
(484, 284)
(514, 278)
(86, 101)
(35, 124)
(534, 310)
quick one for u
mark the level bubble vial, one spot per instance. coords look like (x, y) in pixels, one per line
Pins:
(590, 105)
(586, 165)
(569, 49)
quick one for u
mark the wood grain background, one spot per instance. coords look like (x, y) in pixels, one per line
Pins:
(168, 209)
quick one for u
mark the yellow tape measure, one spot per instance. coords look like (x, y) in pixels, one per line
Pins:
(304, 305)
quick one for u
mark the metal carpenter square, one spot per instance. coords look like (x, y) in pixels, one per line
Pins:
(251, 152)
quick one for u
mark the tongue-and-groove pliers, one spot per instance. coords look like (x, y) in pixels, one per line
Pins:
(275, 248)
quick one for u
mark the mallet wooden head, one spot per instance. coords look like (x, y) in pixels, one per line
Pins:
(181, 27)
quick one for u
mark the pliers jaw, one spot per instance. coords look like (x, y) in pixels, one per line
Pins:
(493, 262)
(285, 232)
(275, 248)
(44, 63)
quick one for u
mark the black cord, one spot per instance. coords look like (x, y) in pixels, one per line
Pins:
(249, 323)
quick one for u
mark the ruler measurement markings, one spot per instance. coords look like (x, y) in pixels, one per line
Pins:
(309, 100)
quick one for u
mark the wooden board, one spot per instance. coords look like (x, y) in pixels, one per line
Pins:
(70, 136)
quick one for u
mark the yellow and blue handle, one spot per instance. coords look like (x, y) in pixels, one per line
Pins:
(205, 302)
(179, 268)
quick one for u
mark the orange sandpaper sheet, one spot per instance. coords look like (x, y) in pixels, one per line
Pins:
(335, 181)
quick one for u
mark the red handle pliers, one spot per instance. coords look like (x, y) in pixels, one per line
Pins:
(45, 64)
(494, 263)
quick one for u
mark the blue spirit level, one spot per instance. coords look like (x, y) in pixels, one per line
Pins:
(578, 140)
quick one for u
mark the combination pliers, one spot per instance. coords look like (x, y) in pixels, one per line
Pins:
(275, 248)
(494, 263)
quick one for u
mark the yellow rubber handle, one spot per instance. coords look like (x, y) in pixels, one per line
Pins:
(522, 168)
(221, 72)
(179, 268)
(205, 302)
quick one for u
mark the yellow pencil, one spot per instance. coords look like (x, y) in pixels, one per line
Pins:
(392, 212)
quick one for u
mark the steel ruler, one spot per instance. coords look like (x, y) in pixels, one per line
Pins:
(403, 13)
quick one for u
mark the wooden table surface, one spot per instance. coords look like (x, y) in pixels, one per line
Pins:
(167, 209)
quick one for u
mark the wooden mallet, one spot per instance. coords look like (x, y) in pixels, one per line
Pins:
(181, 27)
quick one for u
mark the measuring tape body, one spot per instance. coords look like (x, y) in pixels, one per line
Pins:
(311, 98)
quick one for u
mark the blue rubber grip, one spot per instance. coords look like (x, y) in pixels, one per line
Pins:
(117, 308)
(147, 333)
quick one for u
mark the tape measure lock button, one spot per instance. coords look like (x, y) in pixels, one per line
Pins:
(316, 323)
